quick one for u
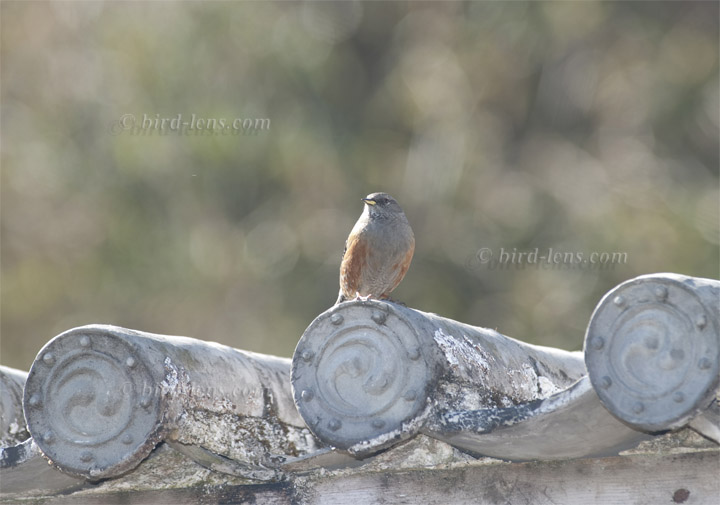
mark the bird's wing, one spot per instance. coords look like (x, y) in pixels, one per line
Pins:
(354, 259)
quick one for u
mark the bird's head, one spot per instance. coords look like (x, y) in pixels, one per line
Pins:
(381, 205)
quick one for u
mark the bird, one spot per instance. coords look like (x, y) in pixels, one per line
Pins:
(378, 250)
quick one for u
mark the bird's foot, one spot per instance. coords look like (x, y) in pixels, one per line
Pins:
(362, 298)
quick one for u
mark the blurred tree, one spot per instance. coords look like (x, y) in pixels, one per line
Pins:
(512, 126)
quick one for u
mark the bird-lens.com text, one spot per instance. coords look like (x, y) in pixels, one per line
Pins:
(179, 124)
(548, 258)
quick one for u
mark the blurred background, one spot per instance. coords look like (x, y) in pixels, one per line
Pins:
(579, 127)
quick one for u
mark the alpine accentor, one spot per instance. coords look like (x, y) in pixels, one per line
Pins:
(378, 251)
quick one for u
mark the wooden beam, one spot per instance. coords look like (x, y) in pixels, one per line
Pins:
(640, 479)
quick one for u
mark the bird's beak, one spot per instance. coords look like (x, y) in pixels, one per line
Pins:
(368, 201)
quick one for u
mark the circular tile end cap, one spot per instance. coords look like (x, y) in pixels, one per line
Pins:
(89, 412)
(360, 376)
(654, 359)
